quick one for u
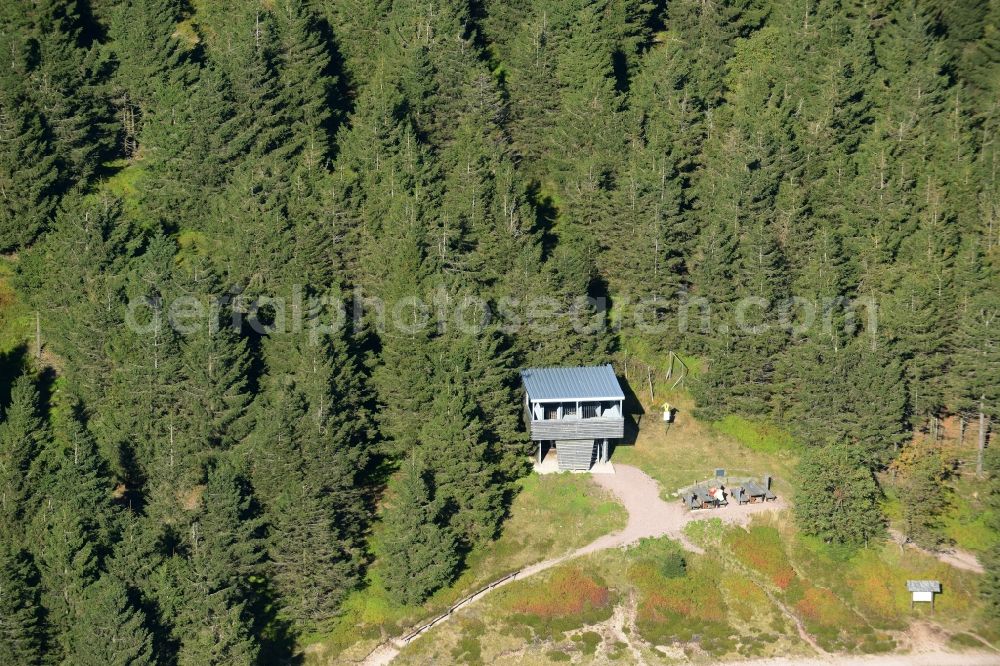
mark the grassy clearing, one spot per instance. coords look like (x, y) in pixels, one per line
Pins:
(689, 450)
(124, 180)
(761, 549)
(702, 607)
(850, 600)
(764, 549)
(550, 516)
(681, 606)
(731, 603)
(736, 600)
(874, 580)
(16, 321)
(968, 522)
(758, 436)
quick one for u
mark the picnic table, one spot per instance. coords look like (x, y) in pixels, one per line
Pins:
(753, 492)
(700, 497)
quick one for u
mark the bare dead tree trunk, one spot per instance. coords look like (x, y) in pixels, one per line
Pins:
(38, 335)
(982, 436)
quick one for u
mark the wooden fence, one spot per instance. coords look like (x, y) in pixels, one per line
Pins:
(464, 601)
(406, 639)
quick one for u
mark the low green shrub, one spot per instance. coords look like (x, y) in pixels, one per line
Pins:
(589, 641)
(469, 649)
(665, 555)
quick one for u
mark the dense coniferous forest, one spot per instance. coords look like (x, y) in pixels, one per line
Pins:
(201, 464)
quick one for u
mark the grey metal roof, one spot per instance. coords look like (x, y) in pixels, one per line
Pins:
(923, 585)
(589, 383)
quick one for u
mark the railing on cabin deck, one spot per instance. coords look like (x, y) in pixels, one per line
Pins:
(593, 420)
(601, 427)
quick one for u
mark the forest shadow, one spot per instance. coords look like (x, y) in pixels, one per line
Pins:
(12, 366)
(634, 413)
(340, 98)
(45, 384)
(546, 212)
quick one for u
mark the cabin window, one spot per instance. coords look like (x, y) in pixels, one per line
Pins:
(569, 410)
(551, 412)
(591, 410)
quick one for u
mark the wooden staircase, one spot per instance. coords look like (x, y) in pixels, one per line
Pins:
(576, 454)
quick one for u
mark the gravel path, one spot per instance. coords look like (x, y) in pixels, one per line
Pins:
(650, 516)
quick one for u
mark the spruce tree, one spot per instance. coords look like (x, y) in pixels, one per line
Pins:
(224, 552)
(110, 630)
(925, 498)
(400, 379)
(69, 82)
(314, 558)
(213, 359)
(189, 146)
(991, 559)
(977, 361)
(149, 58)
(245, 49)
(314, 428)
(73, 528)
(21, 627)
(22, 434)
(29, 173)
(71, 277)
(838, 499)
(418, 554)
(307, 86)
(468, 484)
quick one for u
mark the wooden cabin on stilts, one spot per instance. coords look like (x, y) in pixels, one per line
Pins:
(574, 414)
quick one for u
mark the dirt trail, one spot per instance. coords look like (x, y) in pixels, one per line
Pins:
(956, 557)
(648, 516)
(933, 658)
